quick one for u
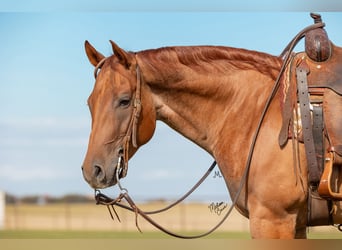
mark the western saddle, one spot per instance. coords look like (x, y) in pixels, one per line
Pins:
(312, 114)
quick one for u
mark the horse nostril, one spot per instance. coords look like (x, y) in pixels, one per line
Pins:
(99, 174)
(120, 151)
(97, 170)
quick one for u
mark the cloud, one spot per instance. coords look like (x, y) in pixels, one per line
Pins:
(44, 141)
(29, 173)
(160, 174)
(44, 131)
(44, 150)
(46, 122)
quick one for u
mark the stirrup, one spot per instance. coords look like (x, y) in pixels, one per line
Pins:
(329, 186)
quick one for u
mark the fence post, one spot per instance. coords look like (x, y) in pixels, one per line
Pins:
(2, 210)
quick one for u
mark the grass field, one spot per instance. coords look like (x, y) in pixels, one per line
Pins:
(61, 234)
(79, 221)
(89, 217)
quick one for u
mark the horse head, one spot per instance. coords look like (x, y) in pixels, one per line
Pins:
(123, 116)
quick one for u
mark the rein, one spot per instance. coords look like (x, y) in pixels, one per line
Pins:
(121, 171)
(102, 199)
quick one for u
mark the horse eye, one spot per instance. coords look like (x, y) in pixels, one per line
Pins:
(124, 102)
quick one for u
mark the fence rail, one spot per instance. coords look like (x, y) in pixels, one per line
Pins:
(184, 217)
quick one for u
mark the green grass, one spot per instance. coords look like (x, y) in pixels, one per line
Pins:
(321, 235)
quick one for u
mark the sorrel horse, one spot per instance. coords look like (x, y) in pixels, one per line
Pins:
(214, 96)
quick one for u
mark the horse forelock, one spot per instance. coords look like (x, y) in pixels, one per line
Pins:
(194, 56)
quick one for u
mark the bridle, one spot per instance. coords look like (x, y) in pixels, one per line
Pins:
(132, 134)
(122, 167)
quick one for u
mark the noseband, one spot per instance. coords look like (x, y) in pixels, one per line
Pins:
(131, 132)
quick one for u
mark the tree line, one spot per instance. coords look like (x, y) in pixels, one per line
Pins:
(46, 199)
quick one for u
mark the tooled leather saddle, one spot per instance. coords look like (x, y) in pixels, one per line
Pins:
(312, 114)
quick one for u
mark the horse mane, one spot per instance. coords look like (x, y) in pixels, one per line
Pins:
(194, 56)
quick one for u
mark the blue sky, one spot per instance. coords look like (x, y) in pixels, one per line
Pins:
(46, 79)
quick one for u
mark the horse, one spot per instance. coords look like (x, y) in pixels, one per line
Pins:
(214, 96)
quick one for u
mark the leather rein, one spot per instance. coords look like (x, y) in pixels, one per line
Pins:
(131, 135)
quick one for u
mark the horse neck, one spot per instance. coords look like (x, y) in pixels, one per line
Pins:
(204, 101)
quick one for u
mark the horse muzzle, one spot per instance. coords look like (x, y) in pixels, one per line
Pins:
(99, 176)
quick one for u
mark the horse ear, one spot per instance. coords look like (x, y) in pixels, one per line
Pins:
(124, 57)
(93, 55)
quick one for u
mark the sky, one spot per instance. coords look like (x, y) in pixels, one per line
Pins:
(46, 80)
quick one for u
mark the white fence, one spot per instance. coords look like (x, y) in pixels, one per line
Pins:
(2, 210)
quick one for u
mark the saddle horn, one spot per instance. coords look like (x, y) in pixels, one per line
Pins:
(317, 43)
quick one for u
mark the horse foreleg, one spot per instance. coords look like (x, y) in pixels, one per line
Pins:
(265, 224)
(262, 228)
